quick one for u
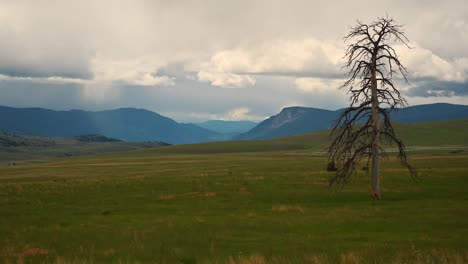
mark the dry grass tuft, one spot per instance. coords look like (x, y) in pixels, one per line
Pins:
(109, 252)
(200, 219)
(435, 256)
(252, 259)
(243, 190)
(283, 208)
(205, 194)
(350, 258)
(255, 178)
(259, 259)
(317, 259)
(252, 215)
(165, 197)
(27, 252)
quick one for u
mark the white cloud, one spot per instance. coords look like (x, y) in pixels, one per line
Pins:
(236, 114)
(417, 100)
(226, 80)
(304, 57)
(242, 113)
(317, 85)
(423, 63)
(280, 57)
(102, 49)
(443, 31)
(52, 80)
(131, 72)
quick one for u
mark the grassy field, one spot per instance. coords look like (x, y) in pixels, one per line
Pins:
(440, 134)
(196, 204)
(421, 135)
(39, 149)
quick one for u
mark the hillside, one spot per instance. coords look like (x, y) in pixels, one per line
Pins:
(276, 199)
(291, 121)
(11, 140)
(137, 125)
(299, 120)
(95, 138)
(16, 148)
(432, 134)
(127, 124)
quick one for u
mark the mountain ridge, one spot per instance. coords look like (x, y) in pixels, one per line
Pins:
(128, 124)
(298, 120)
(135, 124)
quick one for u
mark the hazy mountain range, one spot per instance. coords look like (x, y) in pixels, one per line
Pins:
(132, 124)
(127, 124)
(299, 120)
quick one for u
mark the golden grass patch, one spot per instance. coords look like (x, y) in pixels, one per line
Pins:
(190, 194)
(200, 219)
(166, 197)
(350, 258)
(255, 178)
(23, 254)
(252, 215)
(283, 208)
(244, 191)
(252, 259)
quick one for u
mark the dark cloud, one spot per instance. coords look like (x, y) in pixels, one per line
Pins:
(46, 71)
(188, 101)
(439, 89)
(24, 93)
(123, 52)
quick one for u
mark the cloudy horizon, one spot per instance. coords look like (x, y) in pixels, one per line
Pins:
(201, 60)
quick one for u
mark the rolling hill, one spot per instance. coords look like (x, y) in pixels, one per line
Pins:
(128, 124)
(17, 148)
(137, 125)
(451, 134)
(299, 120)
(446, 135)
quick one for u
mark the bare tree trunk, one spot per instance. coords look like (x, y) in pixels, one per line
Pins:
(358, 134)
(376, 136)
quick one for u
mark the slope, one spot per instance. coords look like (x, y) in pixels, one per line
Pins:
(299, 120)
(127, 124)
(433, 134)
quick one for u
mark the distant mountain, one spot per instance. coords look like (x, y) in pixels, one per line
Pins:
(299, 120)
(430, 112)
(228, 127)
(291, 121)
(127, 124)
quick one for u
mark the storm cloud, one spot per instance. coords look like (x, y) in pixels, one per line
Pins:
(439, 89)
(197, 60)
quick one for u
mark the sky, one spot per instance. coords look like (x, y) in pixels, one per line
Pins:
(230, 60)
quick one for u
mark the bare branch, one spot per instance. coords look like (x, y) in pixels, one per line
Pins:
(372, 63)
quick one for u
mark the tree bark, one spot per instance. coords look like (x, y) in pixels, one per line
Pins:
(376, 131)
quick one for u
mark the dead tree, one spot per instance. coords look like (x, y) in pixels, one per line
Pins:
(363, 127)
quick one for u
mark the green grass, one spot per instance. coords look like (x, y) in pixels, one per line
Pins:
(237, 202)
(216, 207)
(32, 148)
(434, 135)
(451, 133)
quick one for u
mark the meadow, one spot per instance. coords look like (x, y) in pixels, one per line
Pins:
(228, 202)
